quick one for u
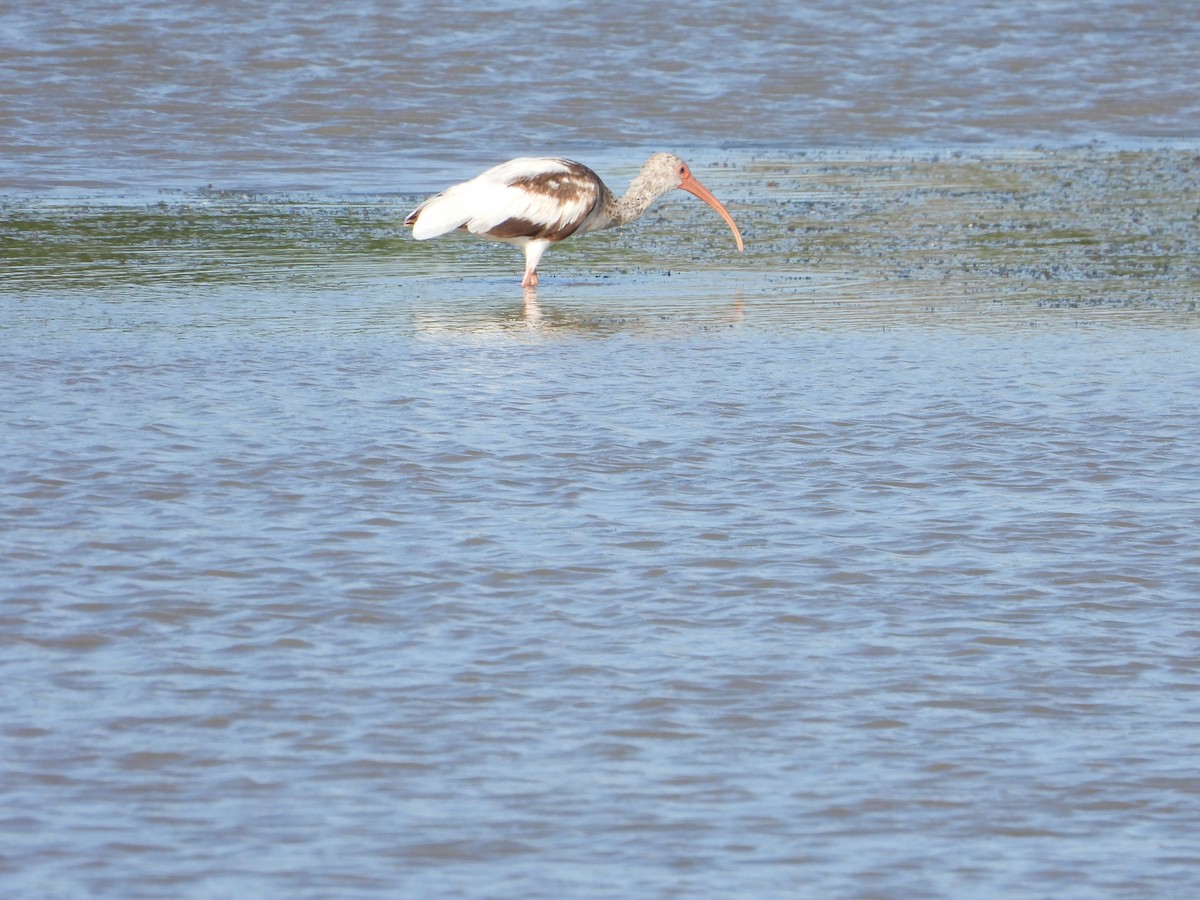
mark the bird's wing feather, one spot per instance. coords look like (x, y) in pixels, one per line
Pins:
(523, 198)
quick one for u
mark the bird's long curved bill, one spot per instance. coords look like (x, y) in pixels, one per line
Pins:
(692, 186)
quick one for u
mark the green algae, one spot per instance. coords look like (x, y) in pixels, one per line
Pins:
(1065, 226)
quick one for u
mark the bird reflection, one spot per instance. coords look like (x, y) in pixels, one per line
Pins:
(533, 312)
(562, 316)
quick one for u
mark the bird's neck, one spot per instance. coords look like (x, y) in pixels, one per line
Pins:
(636, 200)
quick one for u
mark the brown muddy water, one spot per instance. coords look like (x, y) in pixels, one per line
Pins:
(861, 564)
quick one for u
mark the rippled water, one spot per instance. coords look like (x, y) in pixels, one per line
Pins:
(394, 96)
(297, 611)
(860, 564)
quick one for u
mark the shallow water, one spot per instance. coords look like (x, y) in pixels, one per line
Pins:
(345, 568)
(860, 564)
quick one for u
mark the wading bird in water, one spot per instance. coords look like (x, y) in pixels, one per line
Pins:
(532, 203)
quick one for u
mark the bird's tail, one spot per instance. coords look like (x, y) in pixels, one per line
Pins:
(432, 218)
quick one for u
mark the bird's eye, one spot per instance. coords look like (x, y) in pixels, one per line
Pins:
(683, 170)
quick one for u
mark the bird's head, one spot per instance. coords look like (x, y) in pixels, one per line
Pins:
(665, 172)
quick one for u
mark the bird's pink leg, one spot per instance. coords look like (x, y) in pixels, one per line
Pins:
(533, 254)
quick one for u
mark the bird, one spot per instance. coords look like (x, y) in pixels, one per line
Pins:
(533, 202)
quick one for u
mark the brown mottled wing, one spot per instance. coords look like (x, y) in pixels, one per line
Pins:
(554, 204)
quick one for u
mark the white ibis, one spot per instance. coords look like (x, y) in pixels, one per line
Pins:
(532, 203)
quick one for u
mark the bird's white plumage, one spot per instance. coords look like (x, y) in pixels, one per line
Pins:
(497, 196)
(533, 202)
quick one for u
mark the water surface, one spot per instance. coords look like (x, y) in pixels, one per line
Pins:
(860, 564)
(399, 96)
